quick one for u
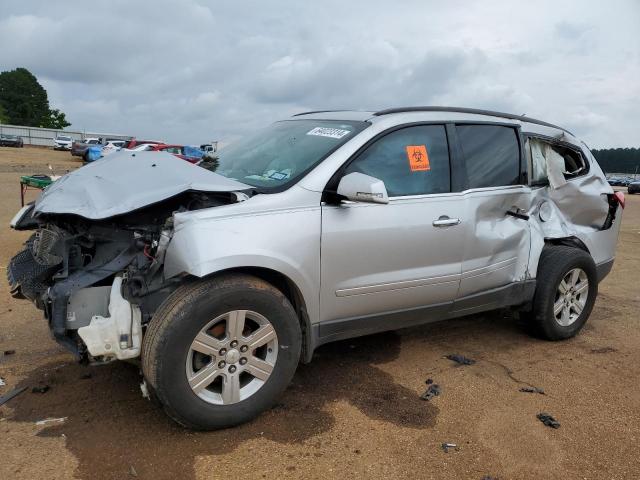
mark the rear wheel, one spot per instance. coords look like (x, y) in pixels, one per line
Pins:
(220, 351)
(566, 289)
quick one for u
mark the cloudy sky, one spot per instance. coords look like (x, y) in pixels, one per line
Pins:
(194, 71)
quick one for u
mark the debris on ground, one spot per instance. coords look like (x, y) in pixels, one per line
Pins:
(603, 350)
(86, 376)
(548, 420)
(9, 395)
(489, 477)
(40, 389)
(433, 390)
(449, 446)
(9, 352)
(132, 471)
(460, 359)
(2, 382)
(532, 390)
(48, 421)
(145, 390)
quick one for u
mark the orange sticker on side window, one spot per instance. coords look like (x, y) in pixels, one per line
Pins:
(418, 158)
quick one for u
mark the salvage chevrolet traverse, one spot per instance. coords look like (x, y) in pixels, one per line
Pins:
(324, 226)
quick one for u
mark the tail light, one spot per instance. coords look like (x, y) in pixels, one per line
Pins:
(614, 199)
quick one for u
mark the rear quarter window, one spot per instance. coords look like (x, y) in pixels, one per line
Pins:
(568, 161)
(491, 155)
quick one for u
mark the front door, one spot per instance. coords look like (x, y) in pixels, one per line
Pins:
(401, 256)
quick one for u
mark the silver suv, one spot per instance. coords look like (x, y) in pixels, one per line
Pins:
(325, 226)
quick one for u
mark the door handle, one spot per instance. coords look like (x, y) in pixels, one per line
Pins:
(518, 213)
(444, 221)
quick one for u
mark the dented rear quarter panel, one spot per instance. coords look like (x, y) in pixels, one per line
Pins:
(576, 209)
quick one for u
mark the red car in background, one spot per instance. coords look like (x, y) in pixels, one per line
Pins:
(134, 142)
(189, 154)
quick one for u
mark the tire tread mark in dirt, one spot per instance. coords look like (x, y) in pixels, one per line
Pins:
(110, 427)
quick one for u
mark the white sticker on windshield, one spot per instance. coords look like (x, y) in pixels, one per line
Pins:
(328, 132)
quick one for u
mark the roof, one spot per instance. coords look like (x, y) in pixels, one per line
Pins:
(453, 114)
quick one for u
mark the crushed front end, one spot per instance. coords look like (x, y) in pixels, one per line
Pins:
(99, 282)
(98, 277)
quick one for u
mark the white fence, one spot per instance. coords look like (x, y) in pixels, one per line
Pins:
(44, 136)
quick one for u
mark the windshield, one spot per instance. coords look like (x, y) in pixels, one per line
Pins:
(64, 139)
(282, 153)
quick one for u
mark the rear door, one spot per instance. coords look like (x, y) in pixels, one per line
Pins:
(403, 255)
(490, 174)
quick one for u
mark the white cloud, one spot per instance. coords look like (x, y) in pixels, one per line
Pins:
(193, 70)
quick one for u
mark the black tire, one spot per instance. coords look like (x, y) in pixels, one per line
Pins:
(179, 319)
(555, 262)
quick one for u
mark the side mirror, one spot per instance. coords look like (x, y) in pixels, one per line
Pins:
(359, 187)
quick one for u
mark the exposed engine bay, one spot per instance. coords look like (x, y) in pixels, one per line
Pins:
(99, 281)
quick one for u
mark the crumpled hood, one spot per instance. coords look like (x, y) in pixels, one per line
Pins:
(127, 181)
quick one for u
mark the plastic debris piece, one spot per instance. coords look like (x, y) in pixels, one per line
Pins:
(145, 390)
(9, 395)
(460, 359)
(9, 352)
(532, 390)
(449, 446)
(548, 420)
(433, 390)
(132, 471)
(40, 389)
(48, 421)
(2, 382)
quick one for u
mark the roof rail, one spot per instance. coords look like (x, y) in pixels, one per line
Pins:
(477, 111)
(318, 111)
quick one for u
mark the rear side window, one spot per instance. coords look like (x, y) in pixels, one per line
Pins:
(410, 161)
(491, 155)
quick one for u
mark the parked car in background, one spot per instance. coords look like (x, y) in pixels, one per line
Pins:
(185, 152)
(78, 147)
(11, 141)
(134, 142)
(209, 148)
(142, 147)
(62, 142)
(94, 151)
(322, 227)
(634, 187)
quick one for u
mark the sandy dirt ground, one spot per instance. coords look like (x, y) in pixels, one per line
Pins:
(355, 410)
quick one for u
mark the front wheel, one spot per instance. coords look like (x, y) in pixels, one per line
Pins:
(566, 290)
(220, 351)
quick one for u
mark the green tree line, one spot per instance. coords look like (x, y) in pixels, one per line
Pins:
(618, 160)
(23, 101)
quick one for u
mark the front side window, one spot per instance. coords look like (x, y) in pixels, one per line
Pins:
(491, 155)
(410, 161)
(284, 152)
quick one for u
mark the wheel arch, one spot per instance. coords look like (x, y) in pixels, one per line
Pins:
(569, 242)
(290, 290)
